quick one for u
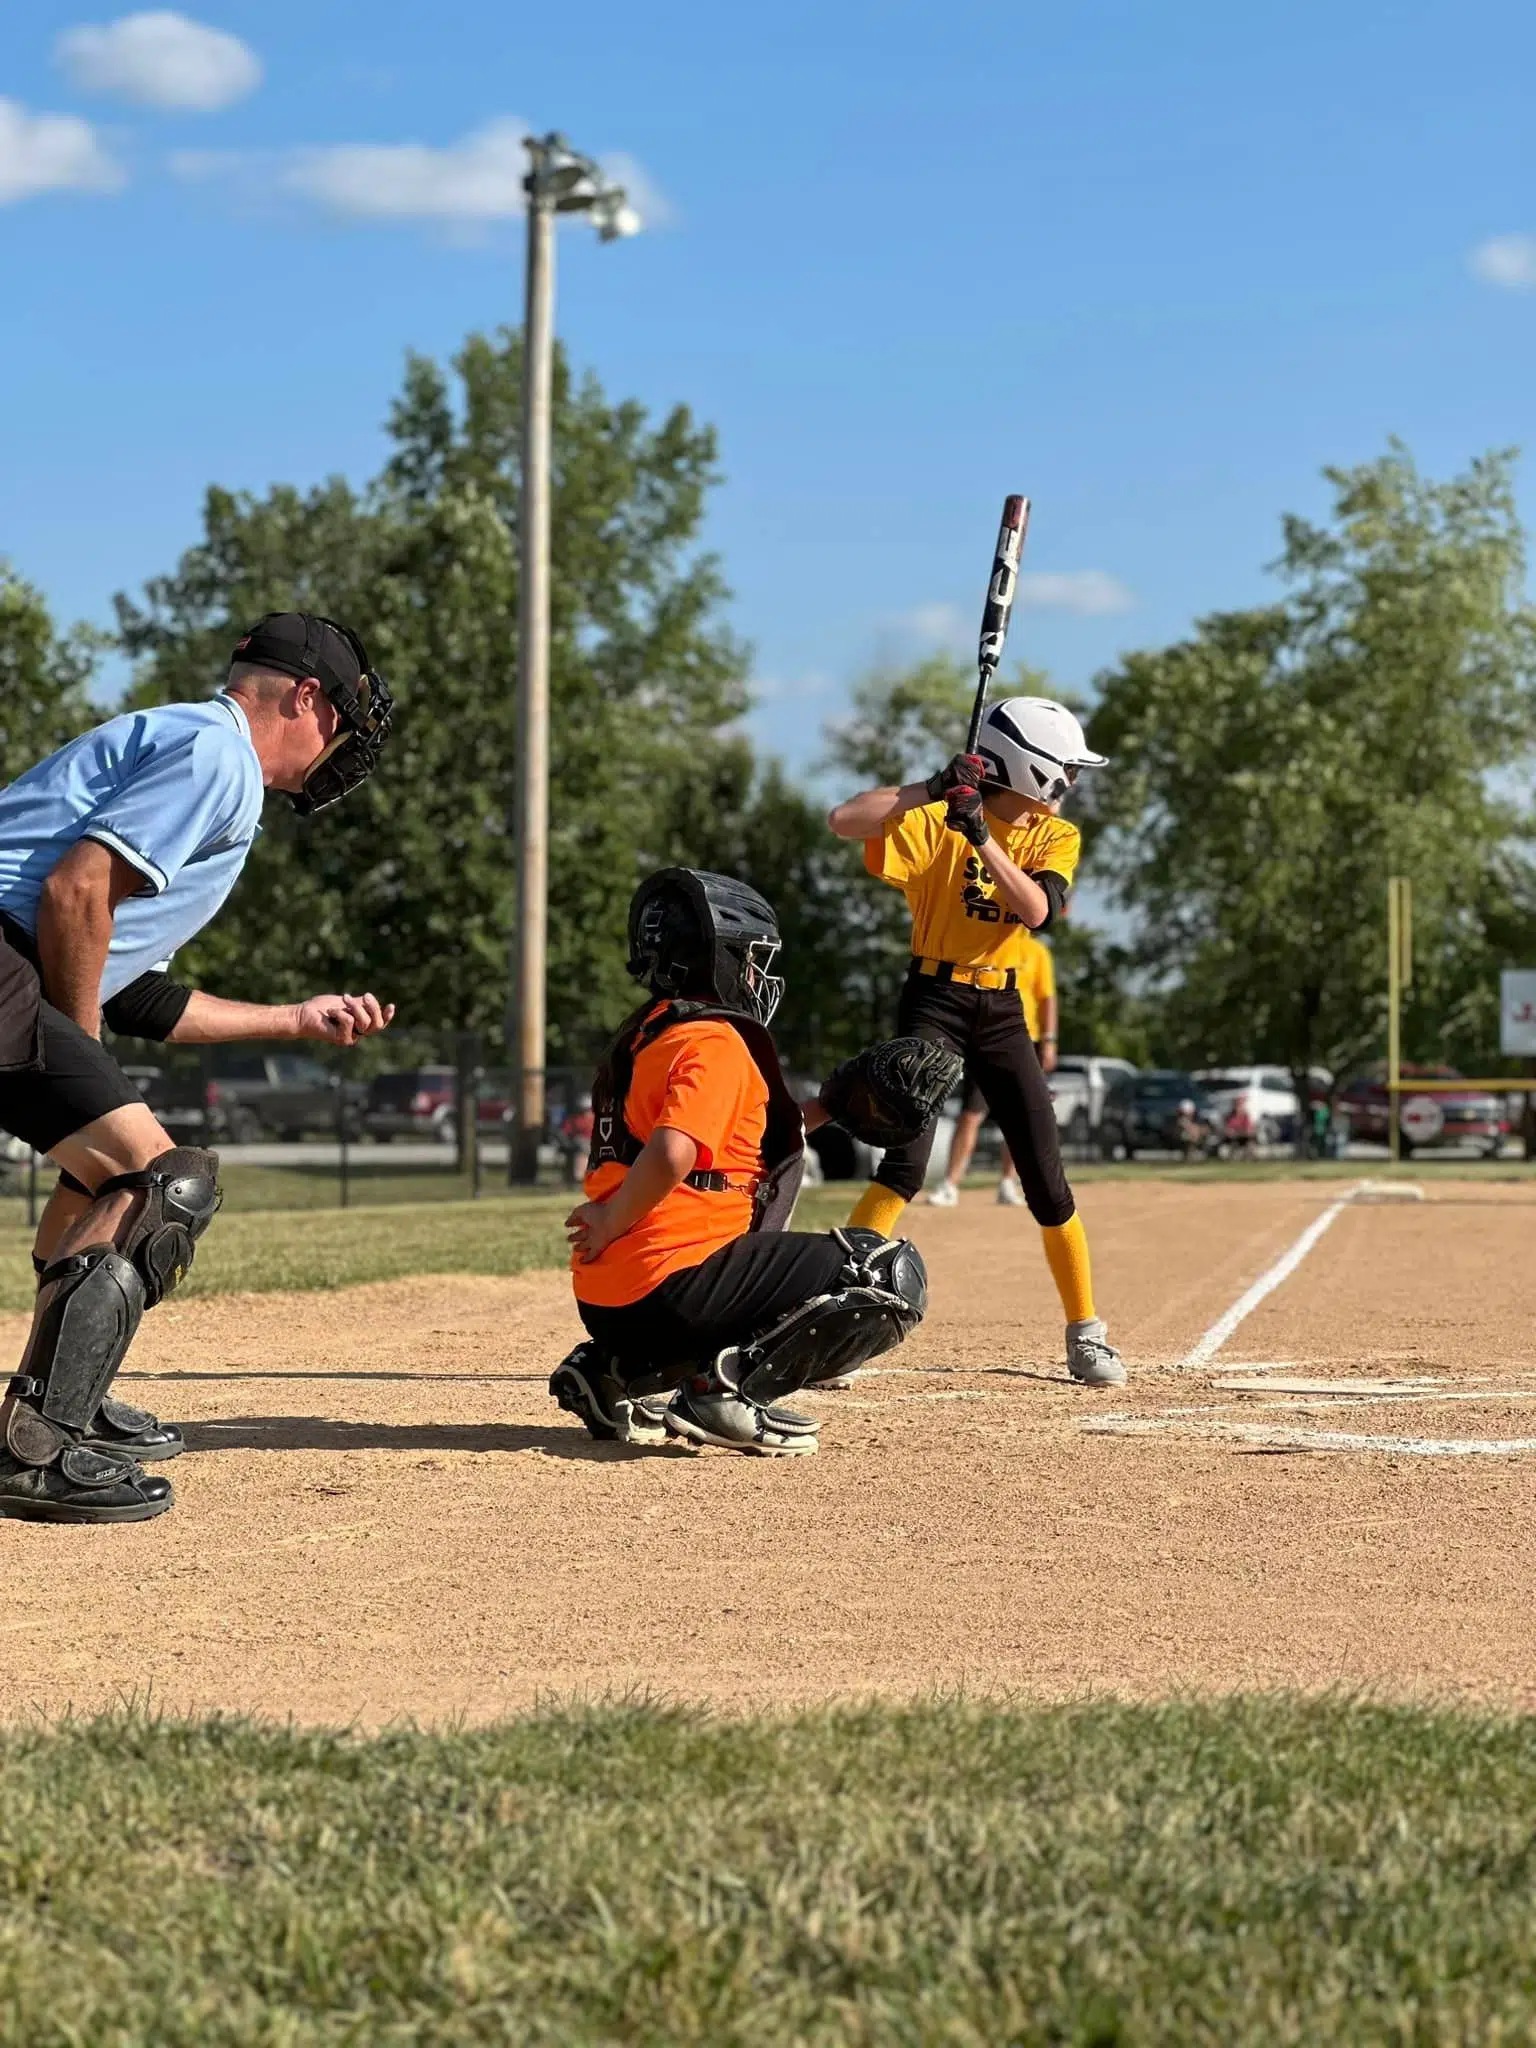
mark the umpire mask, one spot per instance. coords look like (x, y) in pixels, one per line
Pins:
(304, 645)
(708, 937)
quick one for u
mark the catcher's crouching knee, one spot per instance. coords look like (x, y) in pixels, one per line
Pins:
(181, 1198)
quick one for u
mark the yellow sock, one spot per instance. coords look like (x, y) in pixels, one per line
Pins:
(879, 1208)
(1066, 1253)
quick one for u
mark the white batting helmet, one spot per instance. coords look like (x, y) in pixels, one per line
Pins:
(1034, 746)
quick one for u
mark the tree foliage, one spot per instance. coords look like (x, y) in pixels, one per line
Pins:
(44, 677)
(408, 886)
(1269, 773)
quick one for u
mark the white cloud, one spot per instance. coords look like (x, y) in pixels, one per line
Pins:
(787, 690)
(938, 624)
(1507, 260)
(161, 59)
(51, 153)
(467, 188)
(1091, 593)
(479, 179)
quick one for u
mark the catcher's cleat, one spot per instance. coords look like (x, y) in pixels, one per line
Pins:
(1091, 1359)
(584, 1387)
(119, 1431)
(708, 1412)
(945, 1196)
(81, 1486)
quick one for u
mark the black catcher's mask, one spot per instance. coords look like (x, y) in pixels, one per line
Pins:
(705, 936)
(302, 644)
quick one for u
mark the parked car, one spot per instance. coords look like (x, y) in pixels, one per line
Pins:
(1091, 1095)
(423, 1102)
(1473, 1117)
(1153, 1110)
(254, 1094)
(179, 1099)
(1267, 1093)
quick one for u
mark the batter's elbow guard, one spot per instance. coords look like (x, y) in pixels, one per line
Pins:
(181, 1198)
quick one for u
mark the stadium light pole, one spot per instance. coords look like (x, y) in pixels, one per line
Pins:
(558, 181)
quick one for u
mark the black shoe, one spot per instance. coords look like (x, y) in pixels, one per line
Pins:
(585, 1388)
(123, 1432)
(81, 1486)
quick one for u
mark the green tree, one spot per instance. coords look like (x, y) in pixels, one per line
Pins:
(1269, 773)
(408, 886)
(44, 677)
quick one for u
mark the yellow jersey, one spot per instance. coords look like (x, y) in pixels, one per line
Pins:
(1037, 984)
(955, 910)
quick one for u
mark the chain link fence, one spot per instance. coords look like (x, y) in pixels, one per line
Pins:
(312, 1126)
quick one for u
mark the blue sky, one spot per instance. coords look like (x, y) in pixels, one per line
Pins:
(1154, 266)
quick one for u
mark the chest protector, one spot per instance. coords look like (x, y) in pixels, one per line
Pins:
(614, 1143)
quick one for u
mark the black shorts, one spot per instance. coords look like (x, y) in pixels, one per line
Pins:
(738, 1292)
(54, 1078)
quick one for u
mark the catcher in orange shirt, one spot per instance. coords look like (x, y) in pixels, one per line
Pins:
(983, 863)
(685, 1273)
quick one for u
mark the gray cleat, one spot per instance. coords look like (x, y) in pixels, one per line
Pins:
(1091, 1359)
(707, 1412)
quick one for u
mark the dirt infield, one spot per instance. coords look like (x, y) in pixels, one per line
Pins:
(381, 1515)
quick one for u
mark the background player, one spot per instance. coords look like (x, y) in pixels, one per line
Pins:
(115, 851)
(983, 863)
(1037, 995)
(684, 1273)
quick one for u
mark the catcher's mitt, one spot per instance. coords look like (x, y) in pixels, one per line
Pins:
(890, 1092)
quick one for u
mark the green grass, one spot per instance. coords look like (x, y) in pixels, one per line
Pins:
(323, 1248)
(1250, 1872)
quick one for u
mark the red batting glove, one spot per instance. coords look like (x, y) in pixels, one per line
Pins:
(963, 813)
(963, 771)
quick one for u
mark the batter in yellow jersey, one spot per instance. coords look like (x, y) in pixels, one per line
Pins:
(984, 863)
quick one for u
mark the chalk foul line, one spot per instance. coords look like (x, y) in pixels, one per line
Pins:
(1259, 1434)
(1226, 1325)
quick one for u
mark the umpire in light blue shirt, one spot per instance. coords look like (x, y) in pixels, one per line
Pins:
(114, 852)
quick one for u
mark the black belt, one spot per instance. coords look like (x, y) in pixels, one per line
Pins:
(722, 1183)
(988, 978)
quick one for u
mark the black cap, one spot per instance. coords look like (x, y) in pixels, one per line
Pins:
(301, 644)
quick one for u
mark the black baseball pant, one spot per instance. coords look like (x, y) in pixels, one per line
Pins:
(986, 1027)
(736, 1294)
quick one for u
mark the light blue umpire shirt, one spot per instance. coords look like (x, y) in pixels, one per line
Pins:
(177, 791)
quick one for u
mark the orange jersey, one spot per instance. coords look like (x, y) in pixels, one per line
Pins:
(956, 914)
(700, 1079)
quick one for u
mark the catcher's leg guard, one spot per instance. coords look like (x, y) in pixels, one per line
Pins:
(586, 1386)
(90, 1306)
(881, 1297)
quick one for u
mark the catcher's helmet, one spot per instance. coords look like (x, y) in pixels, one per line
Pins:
(1034, 746)
(706, 936)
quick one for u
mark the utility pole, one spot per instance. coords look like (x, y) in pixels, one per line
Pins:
(532, 823)
(558, 181)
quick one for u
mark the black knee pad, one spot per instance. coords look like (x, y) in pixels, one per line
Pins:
(91, 1305)
(879, 1300)
(181, 1199)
